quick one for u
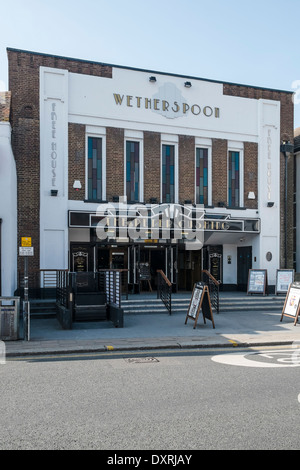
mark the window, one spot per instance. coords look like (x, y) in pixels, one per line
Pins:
(202, 176)
(234, 179)
(94, 169)
(133, 171)
(168, 173)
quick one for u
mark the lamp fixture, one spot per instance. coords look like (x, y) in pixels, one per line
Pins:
(187, 84)
(251, 195)
(270, 204)
(286, 148)
(54, 192)
(152, 79)
(77, 185)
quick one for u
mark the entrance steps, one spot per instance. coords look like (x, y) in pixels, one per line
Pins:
(42, 308)
(147, 303)
(228, 301)
(243, 302)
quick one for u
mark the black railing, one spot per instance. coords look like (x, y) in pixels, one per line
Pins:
(56, 283)
(213, 287)
(164, 290)
(42, 283)
(112, 282)
(62, 287)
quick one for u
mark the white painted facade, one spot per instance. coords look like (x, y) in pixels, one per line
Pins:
(124, 102)
(8, 212)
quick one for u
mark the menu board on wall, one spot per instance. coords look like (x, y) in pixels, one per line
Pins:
(257, 281)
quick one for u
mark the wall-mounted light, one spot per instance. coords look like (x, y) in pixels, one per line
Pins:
(54, 192)
(187, 84)
(152, 79)
(77, 185)
(251, 195)
(270, 204)
(153, 200)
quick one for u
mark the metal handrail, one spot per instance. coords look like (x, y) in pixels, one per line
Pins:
(213, 286)
(164, 290)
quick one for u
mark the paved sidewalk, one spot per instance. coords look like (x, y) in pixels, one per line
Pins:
(154, 330)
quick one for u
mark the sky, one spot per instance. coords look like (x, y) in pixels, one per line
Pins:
(253, 43)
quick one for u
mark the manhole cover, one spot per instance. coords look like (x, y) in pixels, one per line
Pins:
(139, 360)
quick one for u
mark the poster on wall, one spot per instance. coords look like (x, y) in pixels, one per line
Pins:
(292, 302)
(284, 277)
(257, 282)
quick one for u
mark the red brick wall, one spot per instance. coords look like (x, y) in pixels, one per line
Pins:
(23, 68)
(151, 166)
(250, 174)
(76, 164)
(5, 98)
(219, 171)
(114, 162)
(186, 168)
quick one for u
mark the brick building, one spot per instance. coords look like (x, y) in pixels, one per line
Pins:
(85, 134)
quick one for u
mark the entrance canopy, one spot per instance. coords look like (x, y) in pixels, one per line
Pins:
(160, 223)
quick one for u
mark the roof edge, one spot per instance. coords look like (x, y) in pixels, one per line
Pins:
(190, 77)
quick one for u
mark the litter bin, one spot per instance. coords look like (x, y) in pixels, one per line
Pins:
(9, 318)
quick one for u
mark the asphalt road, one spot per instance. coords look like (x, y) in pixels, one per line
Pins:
(156, 400)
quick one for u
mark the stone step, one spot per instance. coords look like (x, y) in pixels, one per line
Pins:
(143, 304)
(228, 303)
(42, 308)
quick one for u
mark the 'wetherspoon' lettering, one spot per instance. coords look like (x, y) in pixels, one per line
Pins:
(165, 106)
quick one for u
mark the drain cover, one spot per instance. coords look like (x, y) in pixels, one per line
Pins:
(139, 360)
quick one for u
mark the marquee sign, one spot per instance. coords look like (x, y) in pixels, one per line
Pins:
(158, 221)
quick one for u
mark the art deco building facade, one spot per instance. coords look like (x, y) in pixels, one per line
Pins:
(85, 134)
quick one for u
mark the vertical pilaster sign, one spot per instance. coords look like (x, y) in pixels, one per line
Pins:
(268, 195)
(54, 166)
(53, 126)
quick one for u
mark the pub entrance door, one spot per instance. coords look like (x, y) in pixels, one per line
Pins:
(150, 258)
(244, 263)
(213, 261)
(154, 258)
(189, 268)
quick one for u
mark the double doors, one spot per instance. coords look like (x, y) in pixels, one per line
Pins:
(142, 261)
(145, 260)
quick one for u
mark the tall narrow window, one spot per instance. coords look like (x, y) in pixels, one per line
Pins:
(234, 179)
(202, 176)
(94, 168)
(168, 173)
(132, 171)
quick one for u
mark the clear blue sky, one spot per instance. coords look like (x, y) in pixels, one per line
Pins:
(254, 42)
